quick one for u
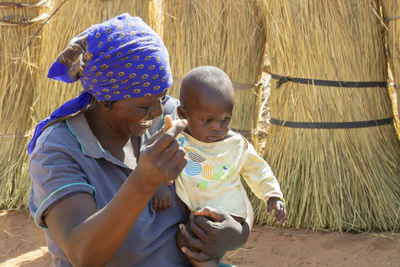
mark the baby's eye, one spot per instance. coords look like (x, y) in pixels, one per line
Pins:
(207, 120)
(226, 119)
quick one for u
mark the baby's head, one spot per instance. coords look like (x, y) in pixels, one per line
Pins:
(207, 99)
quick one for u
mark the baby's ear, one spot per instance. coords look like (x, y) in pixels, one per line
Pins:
(181, 112)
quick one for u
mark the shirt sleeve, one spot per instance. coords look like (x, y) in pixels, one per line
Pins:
(258, 175)
(55, 174)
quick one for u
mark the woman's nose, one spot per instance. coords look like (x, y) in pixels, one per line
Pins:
(156, 109)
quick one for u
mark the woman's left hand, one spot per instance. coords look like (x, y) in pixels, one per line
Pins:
(215, 233)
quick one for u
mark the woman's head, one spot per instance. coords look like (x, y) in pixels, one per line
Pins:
(207, 100)
(118, 60)
(121, 58)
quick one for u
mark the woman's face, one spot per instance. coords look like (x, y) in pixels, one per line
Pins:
(133, 116)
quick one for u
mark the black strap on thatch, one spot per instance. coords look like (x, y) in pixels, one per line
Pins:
(391, 18)
(331, 125)
(284, 79)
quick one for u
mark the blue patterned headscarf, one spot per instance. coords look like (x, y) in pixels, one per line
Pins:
(118, 59)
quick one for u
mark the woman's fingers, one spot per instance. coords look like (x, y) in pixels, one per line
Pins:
(161, 140)
(189, 239)
(167, 123)
(196, 227)
(196, 256)
(213, 214)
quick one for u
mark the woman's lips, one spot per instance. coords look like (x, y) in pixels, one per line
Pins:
(144, 124)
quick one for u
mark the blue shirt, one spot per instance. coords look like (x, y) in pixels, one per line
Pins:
(68, 159)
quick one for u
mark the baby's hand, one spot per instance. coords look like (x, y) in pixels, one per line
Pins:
(162, 198)
(276, 204)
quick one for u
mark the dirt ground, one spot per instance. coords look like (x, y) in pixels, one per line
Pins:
(23, 244)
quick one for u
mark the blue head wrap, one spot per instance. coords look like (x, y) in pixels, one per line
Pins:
(118, 59)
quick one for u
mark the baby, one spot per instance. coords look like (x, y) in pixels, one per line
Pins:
(217, 156)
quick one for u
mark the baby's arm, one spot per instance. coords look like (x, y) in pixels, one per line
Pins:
(260, 178)
(162, 197)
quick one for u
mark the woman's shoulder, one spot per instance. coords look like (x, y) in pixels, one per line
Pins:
(56, 137)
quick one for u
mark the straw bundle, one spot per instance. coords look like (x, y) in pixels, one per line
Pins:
(226, 34)
(18, 72)
(391, 13)
(341, 179)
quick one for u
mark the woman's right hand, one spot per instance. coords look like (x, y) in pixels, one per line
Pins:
(162, 159)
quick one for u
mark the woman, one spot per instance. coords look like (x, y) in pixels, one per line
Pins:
(93, 177)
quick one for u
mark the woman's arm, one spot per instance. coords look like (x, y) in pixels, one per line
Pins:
(91, 237)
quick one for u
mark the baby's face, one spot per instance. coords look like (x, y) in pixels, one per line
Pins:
(209, 119)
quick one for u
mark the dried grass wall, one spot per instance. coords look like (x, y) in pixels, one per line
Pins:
(226, 34)
(19, 70)
(391, 14)
(341, 179)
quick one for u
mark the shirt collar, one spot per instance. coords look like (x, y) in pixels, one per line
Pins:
(90, 146)
(79, 127)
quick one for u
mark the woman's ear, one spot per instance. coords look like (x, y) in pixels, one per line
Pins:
(181, 112)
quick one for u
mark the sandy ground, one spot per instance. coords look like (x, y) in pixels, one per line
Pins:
(23, 244)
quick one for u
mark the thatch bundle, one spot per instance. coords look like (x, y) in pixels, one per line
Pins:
(18, 73)
(226, 34)
(391, 13)
(340, 178)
